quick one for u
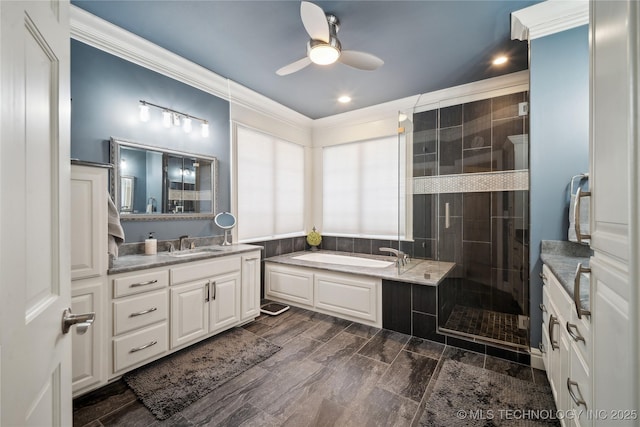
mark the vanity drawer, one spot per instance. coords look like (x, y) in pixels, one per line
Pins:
(204, 270)
(581, 328)
(139, 311)
(139, 346)
(139, 282)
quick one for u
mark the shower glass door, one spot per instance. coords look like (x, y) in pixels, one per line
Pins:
(470, 206)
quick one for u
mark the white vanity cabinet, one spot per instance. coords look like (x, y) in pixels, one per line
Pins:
(89, 260)
(566, 351)
(205, 298)
(139, 318)
(250, 305)
(349, 296)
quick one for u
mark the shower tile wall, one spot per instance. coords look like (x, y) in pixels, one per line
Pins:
(487, 232)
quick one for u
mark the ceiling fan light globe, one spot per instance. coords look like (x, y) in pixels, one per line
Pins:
(323, 53)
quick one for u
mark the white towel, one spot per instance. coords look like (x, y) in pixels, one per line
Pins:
(114, 230)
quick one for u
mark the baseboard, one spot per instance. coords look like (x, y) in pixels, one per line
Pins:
(536, 359)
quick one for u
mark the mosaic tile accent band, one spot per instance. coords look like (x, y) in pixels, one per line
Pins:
(472, 182)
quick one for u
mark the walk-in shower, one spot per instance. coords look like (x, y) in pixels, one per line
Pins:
(470, 204)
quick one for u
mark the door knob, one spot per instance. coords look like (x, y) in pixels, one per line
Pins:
(82, 320)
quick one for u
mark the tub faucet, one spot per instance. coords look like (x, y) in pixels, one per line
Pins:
(182, 242)
(401, 257)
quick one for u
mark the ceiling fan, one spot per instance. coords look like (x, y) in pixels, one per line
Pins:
(324, 48)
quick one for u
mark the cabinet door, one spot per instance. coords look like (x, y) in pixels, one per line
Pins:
(89, 364)
(89, 222)
(250, 286)
(224, 302)
(189, 314)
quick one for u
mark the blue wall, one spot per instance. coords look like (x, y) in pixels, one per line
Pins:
(559, 142)
(106, 91)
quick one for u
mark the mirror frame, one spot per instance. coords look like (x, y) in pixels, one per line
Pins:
(114, 179)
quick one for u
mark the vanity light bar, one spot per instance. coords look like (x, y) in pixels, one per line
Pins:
(174, 118)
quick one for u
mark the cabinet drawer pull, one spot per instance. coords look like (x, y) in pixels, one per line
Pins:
(206, 299)
(577, 336)
(252, 259)
(142, 347)
(150, 282)
(543, 308)
(576, 209)
(140, 313)
(553, 321)
(215, 290)
(542, 349)
(578, 400)
(576, 291)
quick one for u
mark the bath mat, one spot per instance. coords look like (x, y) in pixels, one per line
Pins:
(172, 383)
(465, 395)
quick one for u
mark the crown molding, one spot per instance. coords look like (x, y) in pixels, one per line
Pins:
(100, 34)
(548, 17)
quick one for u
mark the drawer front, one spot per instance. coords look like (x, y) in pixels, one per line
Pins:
(139, 346)
(580, 335)
(139, 311)
(579, 387)
(137, 283)
(558, 294)
(197, 271)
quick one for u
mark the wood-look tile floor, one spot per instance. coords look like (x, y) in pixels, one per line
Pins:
(330, 372)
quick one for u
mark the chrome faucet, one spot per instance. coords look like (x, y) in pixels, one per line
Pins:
(182, 242)
(401, 257)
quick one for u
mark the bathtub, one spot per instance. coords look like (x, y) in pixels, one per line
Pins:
(343, 260)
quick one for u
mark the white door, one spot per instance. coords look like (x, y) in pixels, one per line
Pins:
(35, 357)
(615, 195)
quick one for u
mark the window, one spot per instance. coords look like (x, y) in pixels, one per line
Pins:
(363, 189)
(270, 186)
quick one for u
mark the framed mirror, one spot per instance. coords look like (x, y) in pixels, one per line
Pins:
(157, 183)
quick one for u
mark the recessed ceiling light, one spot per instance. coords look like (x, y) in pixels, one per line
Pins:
(500, 60)
(344, 99)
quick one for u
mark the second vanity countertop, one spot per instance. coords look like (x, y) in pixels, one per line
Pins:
(563, 258)
(414, 272)
(128, 263)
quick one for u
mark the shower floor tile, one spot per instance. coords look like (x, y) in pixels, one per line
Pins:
(491, 325)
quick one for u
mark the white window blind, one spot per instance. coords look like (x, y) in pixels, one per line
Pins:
(363, 189)
(270, 186)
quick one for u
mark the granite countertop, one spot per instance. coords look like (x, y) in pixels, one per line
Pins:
(136, 262)
(563, 258)
(414, 272)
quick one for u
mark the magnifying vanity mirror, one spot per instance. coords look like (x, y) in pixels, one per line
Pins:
(157, 183)
(226, 221)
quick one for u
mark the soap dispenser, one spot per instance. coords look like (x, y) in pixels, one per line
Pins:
(151, 245)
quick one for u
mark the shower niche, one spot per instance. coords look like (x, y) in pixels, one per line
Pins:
(470, 200)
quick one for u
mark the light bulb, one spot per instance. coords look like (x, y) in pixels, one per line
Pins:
(175, 119)
(166, 118)
(144, 112)
(324, 54)
(204, 129)
(500, 60)
(186, 124)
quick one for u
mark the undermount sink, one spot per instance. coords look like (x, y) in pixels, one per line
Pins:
(193, 252)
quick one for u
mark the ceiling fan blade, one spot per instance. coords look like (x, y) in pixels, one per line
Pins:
(360, 60)
(294, 66)
(314, 21)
